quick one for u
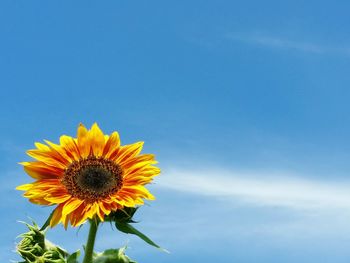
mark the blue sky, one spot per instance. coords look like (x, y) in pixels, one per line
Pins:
(245, 104)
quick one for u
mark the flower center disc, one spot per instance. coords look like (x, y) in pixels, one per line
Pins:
(93, 178)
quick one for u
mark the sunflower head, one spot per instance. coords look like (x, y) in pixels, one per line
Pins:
(88, 176)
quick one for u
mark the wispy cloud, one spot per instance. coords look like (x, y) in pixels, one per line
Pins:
(287, 44)
(278, 190)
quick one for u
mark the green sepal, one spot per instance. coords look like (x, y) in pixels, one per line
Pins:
(122, 215)
(123, 219)
(112, 256)
(73, 258)
(47, 222)
(129, 229)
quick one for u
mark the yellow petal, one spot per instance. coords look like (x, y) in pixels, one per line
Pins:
(70, 146)
(71, 205)
(141, 170)
(49, 158)
(24, 187)
(92, 210)
(39, 201)
(41, 146)
(97, 140)
(77, 215)
(40, 172)
(58, 199)
(99, 212)
(137, 180)
(103, 207)
(56, 217)
(81, 218)
(138, 191)
(112, 144)
(128, 151)
(59, 151)
(83, 142)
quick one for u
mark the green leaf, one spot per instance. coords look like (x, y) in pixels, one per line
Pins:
(122, 215)
(73, 258)
(112, 256)
(47, 223)
(129, 229)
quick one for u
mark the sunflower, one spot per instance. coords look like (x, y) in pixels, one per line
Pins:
(88, 176)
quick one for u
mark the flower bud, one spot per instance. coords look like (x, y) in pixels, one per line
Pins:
(34, 248)
(32, 244)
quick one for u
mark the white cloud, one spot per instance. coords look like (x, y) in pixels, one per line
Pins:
(276, 190)
(288, 44)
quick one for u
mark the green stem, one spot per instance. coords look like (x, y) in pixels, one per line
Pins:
(89, 249)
